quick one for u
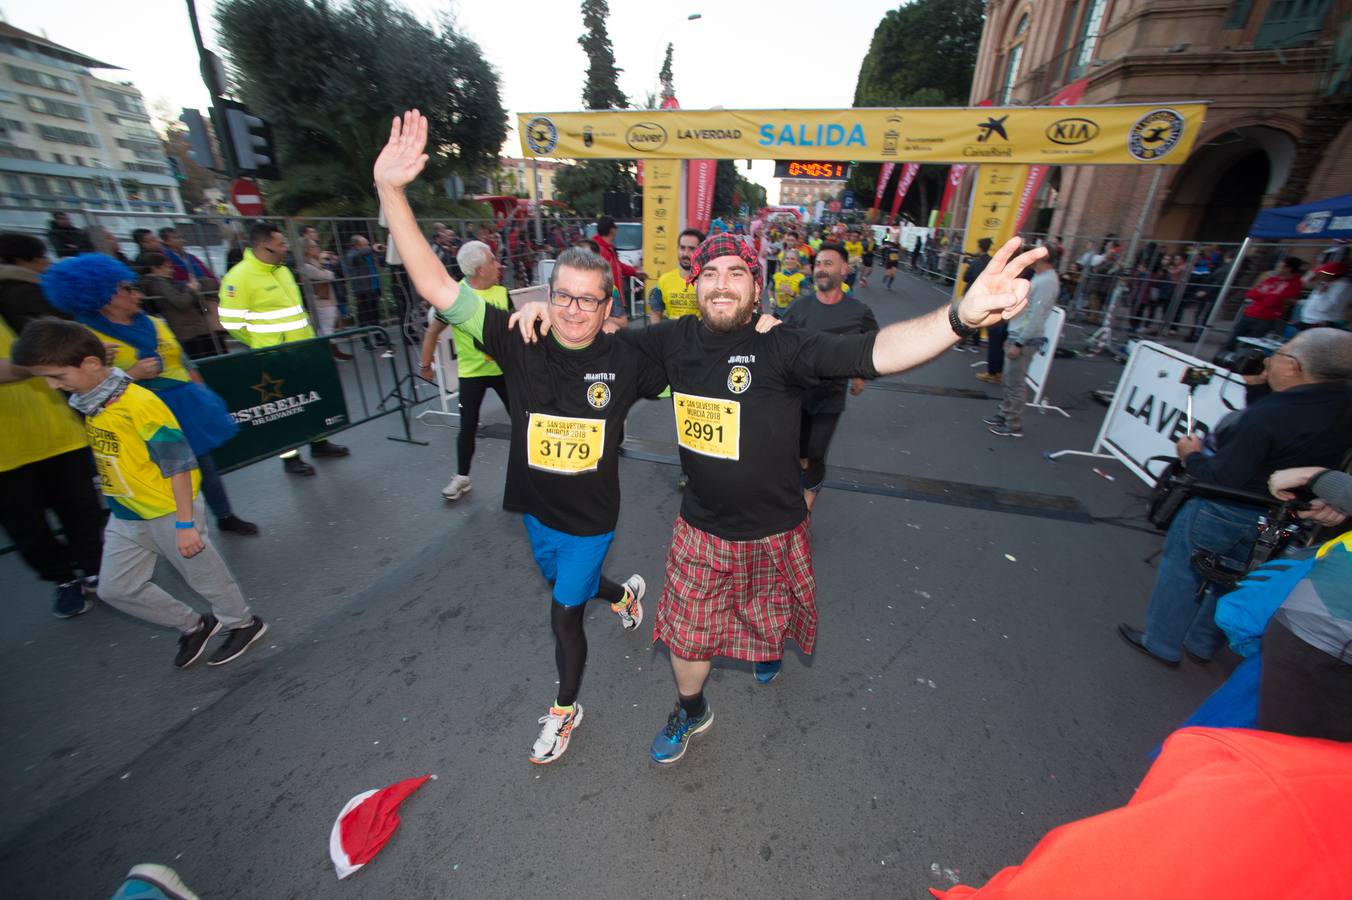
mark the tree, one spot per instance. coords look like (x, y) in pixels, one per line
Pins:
(584, 185)
(922, 54)
(732, 190)
(602, 90)
(664, 77)
(329, 76)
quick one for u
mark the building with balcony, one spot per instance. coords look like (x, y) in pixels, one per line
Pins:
(515, 177)
(1275, 72)
(71, 140)
(807, 191)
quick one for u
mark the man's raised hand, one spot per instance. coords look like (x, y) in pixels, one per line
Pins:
(528, 317)
(403, 158)
(998, 292)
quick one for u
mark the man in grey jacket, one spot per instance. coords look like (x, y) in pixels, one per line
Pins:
(1022, 343)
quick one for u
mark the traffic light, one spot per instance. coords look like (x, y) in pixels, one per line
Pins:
(249, 140)
(199, 141)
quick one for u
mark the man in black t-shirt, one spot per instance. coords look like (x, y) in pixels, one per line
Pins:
(739, 570)
(975, 267)
(829, 310)
(570, 393)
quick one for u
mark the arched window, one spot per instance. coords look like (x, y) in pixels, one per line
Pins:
(1013, 56)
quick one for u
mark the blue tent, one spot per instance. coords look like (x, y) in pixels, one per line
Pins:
(1322, 220)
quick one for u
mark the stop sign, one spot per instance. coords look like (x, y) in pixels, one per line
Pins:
(246, 196)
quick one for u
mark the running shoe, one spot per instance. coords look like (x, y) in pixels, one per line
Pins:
(237, 641)
(630, 609)
(70, 600)
(995, 419)
(556, 731)
(149, 881)
(672, 741)
(191, 645)
(1004, 430)
(768, 671)
(458, 487)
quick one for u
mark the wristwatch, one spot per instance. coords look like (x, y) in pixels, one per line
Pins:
(960, 328)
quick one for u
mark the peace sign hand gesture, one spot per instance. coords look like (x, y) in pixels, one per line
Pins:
(403, 157)
(998, 292)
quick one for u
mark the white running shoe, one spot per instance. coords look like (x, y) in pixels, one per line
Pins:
(554, 736)
(457, 488)
(630, 609)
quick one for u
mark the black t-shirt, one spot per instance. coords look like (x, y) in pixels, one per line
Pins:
(850, 316)
(568, 410)
(737, 399)
(975, 268)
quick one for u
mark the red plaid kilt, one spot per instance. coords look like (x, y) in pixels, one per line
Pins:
(737, 598)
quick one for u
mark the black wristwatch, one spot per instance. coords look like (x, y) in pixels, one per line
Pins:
(960, 328)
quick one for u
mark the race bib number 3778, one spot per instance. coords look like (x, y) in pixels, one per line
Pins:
(564, 445)
(708, 426)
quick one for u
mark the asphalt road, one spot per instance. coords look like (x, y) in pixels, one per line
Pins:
(968, 692)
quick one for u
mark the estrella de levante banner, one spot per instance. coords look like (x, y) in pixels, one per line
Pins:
(1128, 134)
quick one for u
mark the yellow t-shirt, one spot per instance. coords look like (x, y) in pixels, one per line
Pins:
(677, 297)
(38, 423)
(787, 287)
(166, 345)
(855, 251)
(137, 447)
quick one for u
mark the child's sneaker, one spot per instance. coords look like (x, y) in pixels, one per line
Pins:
(237, 641)
(70, 601)
(191, 645)
(557, 730)
(630, 609)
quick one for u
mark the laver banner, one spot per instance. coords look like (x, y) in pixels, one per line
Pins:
(1134, 134)
(281, 397)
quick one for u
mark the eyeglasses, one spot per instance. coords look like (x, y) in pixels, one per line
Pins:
(585, 304)
(1294, 359)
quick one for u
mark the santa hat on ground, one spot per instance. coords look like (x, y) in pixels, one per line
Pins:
(367, 823)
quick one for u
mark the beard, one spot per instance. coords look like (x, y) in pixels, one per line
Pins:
(726, 322)
(826, 282)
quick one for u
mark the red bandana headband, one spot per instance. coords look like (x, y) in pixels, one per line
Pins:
(716, 245)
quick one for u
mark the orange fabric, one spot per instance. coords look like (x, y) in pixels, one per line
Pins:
(1228, 813)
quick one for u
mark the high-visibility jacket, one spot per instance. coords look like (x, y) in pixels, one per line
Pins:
(261, 305)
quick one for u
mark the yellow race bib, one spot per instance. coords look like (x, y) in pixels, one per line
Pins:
(111, 481)
(564, 445)
(707, 426)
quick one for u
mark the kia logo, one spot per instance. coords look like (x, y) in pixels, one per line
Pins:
(646, 137)
(1072, 131)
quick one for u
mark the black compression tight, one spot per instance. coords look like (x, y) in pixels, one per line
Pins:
(570, 649)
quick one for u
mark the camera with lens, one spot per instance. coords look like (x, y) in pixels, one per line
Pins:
(1241, 360)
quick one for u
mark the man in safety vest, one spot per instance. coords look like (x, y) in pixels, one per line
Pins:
(261, 307)
(674, 296)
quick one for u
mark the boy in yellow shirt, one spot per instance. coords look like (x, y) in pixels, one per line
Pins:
(788, 283)
(149, 477)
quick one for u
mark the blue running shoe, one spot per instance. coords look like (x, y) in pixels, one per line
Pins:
(672, 740)
(153, 882)
(70, 601)
(767, 672)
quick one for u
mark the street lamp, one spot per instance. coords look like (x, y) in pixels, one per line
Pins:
(662, 39)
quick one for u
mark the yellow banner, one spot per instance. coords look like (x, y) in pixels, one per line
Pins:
(1050, 135)
(661, 215)
(994, 199)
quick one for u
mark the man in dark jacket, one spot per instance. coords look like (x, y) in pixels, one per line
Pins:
(1305, 421)
(66, 238)
(23, 258)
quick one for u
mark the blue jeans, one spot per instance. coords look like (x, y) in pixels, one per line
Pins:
(1175, 621)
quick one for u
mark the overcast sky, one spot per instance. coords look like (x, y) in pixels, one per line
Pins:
(739, 56)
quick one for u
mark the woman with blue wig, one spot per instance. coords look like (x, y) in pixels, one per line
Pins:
(100, 293)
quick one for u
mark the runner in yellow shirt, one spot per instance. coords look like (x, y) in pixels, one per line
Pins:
(788, 283)
(674, 296)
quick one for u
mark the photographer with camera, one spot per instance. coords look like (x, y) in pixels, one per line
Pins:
(1305, 421)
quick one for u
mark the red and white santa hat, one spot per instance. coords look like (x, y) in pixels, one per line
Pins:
(367, 823)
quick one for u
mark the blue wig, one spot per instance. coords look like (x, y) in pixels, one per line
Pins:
(84, 283)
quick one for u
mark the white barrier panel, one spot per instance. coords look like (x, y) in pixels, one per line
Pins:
(1149, 412)
(1039, 367)
(536, 293)
(448, 380)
